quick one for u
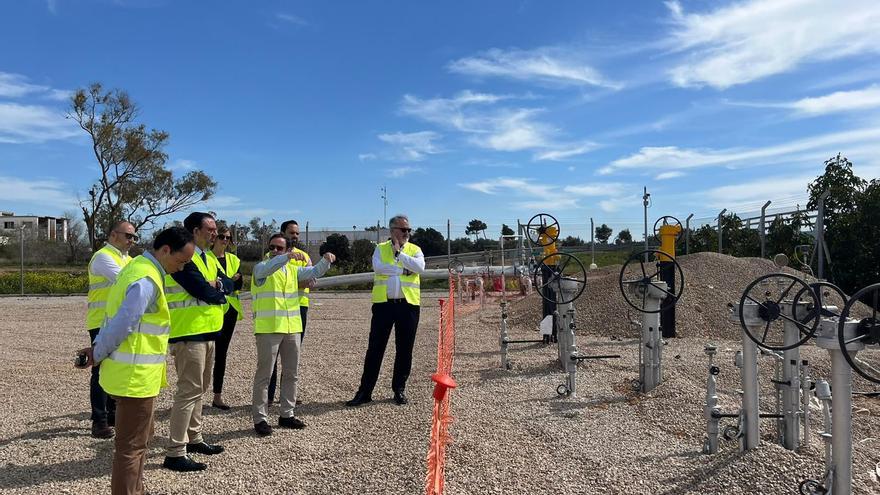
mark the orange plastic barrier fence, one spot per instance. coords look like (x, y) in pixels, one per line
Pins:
(443, 381)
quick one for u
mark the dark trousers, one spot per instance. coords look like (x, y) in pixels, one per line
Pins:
(404, 317)
(303, 313)
(134, 430)
(103, 406)
(222, 347)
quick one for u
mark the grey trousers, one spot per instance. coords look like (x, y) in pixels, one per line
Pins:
(270, 346)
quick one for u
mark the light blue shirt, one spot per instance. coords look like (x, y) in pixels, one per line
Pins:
(140, 298)
(264, 269)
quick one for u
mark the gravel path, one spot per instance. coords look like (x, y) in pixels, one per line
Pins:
(512, 434)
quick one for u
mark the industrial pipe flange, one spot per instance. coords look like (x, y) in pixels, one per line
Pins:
(539, 227)
(830, 296)
(764, 298)
(665, 220)
(566, 276)
(644, 277)
(867, 333)
(456, 267)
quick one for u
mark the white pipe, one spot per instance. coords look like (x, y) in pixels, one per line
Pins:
(367, 277)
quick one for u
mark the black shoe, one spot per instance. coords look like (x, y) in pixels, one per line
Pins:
(111, 420)
(183, 464)
(360, 398)
(400, 398)
(204, 448)
(263, 429)
(102, 430)
(222, 407)
(291, 422)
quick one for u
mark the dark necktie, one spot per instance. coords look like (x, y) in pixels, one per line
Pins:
(204, 258)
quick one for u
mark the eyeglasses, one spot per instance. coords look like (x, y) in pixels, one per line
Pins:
(224, 237)
(277, 248)
(130, 237)
(405, 231)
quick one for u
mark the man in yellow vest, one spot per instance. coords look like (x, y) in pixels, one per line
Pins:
(397, 264)
(103, 269)
(277, 325)
(196, 298)
(131, 349)
(291, 230)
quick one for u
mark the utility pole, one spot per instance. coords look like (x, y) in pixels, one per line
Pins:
(820, 231)
(645, 202)
(763, 228)
(719, 228)
(384, 196)
(687, 234)
(592, 244)
(21, 257)
(449, 242)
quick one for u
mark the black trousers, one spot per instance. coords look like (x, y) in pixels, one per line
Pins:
(103, 406)
(404, 317)
(221, 348)
(303, 313)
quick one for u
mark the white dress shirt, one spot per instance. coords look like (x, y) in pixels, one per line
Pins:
(395, 270)
(105, 266)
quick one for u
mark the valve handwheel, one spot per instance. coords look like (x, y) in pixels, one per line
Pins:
(768, 293)
(562, 267)
(867, 362)
(829, 295)
(539, 226)
(456, 267)
(665, 220)
(642, 269)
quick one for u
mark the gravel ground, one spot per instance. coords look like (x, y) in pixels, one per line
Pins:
(512, 434)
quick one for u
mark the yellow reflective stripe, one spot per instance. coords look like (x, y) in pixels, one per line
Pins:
(302, 293)
(127, 358)
(188, 303)
(150, 329)
(97, 304)
(380, 282)
(174, 289)
(409, 284)
(277, 313)
(273, 295)
(100, 285)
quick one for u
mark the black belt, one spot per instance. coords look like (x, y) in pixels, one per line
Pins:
(399, 301)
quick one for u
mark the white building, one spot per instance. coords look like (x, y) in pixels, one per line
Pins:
(52, 228)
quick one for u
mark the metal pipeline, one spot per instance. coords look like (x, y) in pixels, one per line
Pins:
(367, 277)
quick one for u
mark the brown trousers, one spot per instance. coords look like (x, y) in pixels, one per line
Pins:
(134, 429)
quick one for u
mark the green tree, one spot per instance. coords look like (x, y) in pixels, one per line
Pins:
(476, 226)
(505, 230)
(134, 184)
(623, 237)
(261, 231)
(430, 240)
(462, 245)
(572, 241)
(843, 185)
(338, 244)
(361, 256)
(603, 233)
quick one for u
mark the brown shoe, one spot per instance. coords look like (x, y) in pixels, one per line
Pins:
(102, 430)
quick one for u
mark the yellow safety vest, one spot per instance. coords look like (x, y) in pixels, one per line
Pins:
(137, 367)
(99, 287)
(233, 263)
(191, 316)
(275, 303)
(409, 284)
(303, 291)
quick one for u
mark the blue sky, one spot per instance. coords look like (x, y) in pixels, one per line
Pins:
(494, 110)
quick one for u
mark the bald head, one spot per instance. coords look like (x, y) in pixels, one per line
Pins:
(123, 236)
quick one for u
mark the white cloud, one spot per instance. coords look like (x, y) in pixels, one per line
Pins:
(596, 189)
(669, 175)
(17, 86)
(613, 205)
(291, 19)
(564, 153)
(367, 156)
(530, 194)
(52, 5)
(674, 158)
(414, 146)
(546, 65)
(747, 194)
(41, 193)
(753, 39)
(183, 165)
(33, 123)
(840, 101)
(528, 187)
(398, 172)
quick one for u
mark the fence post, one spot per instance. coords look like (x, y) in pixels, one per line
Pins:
(645, 203)
(592, 243)
(687, 234)
(720, 215)
(763, 228)
(820, 233)
(21, 258)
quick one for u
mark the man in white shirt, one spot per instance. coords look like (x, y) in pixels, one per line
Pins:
(104, 266)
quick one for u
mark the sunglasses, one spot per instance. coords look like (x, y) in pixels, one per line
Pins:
(224, 237)
(405, 231)
(277, 248)
(130, 237)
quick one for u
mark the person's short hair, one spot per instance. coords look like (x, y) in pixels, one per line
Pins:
(223, 228)
(119, 224)
(174, 237)
(279, 234)
(195, 219)
(287, 223)
(395, 218)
